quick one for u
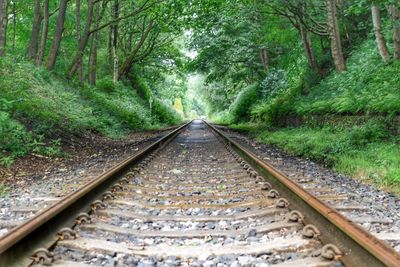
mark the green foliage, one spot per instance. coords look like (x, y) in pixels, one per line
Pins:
(13, 139)
(366, 152)
(35, 107)
(16, 141)
(273, 84)
(3, 190)
(106, 85)
(222, 117)
(240, 108)
(367, 86)
(161, 111)
(327, 143)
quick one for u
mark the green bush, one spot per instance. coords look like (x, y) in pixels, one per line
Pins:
(367, 85)
(222, 117)
(37, 108)
(13, 136)
(273, 84)
(16, 141)
(327, 143)
(241, 107)
(367, 152)
(162, 113)
(106, 85)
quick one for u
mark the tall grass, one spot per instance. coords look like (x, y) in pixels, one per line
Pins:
(366, 152)
(36, 109)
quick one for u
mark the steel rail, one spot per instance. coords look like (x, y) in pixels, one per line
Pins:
(41, 230)
(358, 247)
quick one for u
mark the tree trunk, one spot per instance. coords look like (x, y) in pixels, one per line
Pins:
(3, 26)
(308, 49)
(115, 41)
(380, 39)
(52, 57)
(130, 60)
(83, 42)
(79, 37)
(93, 51)
(395, 15)
(45, 30)
(14, 25)
(109, 58)
(264, 58)
(334, 35)
(93, 60)
(37, 18)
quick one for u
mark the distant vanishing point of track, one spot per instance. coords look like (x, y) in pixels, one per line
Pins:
(193, 198)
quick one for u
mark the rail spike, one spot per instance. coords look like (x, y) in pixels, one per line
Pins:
(267, 187)
(136, 170)
(273, 194)
(83, 218)
(259, 178)
(108, 196)
(117, 187)
(295, 216)
(310, 231)
(43, 256)
(282, 203)
(124, 181)
(253, 174)
(330, 252)
(130, 174)
(98, 204)
(67, 234)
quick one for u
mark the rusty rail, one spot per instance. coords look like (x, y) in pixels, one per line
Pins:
(359, 248)
(41, 230)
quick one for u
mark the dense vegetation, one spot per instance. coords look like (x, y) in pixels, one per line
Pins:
(317, 78)
(72, 67)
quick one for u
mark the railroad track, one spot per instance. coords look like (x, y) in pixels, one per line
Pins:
(193, 198)
(374, 210)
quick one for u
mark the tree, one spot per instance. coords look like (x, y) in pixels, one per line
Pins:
(79, 36)
(93, 51)
(130, 60)
(83, 41)
(114, 41)
(395, 16)
(297, 13)
(53, 53)
(334, 35)
(380, 39)
(88, 31)
(308, 48)
(3, 25)
(34, 42)
(43, 38)
(264, 58)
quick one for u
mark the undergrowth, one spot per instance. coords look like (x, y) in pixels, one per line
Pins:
(37, 109)
(367, 152)
(367, 86)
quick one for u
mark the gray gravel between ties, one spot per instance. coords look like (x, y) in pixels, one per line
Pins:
(22, 203)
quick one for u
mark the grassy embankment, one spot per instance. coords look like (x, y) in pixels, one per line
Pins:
(348, 119)
(38, 109)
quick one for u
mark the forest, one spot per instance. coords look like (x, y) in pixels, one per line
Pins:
(316, 78)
